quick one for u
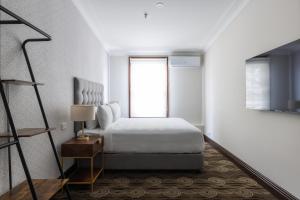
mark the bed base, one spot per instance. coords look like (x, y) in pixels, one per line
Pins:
(152, 161)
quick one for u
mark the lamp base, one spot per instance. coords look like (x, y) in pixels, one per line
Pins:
(83, 137)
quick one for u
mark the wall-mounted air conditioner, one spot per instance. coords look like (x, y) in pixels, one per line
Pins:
(185, 61)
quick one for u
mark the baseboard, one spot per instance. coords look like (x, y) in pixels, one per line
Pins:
(275, 189)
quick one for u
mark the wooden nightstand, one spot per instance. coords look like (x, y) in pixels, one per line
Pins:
(84, 149)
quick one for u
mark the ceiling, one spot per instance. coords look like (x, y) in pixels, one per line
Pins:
(181, 25)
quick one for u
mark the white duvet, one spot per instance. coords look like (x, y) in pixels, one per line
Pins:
(152, 135)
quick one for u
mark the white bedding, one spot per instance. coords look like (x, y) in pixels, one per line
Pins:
(151, 135)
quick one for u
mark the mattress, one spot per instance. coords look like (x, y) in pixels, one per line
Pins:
(151, 135)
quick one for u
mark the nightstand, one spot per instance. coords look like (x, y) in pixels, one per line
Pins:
(84, 149)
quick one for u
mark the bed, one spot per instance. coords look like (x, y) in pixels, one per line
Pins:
(144, 143)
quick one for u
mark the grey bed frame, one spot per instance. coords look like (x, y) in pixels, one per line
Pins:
(88, 92)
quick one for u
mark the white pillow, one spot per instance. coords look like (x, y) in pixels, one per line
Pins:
(104, 116)
(92, 124)
(116, 110)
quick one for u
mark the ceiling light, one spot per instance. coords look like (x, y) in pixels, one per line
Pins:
(159, 4)
(146, 15)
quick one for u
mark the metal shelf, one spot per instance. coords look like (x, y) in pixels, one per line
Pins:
(30, 189)
(27, 132)
(20, 82)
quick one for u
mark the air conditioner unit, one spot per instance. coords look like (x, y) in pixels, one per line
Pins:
(185, 61)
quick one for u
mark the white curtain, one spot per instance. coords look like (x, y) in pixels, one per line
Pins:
(148, 87)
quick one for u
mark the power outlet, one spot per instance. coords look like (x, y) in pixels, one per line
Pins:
(63, 126)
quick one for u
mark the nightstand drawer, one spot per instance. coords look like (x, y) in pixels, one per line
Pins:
(82, 148)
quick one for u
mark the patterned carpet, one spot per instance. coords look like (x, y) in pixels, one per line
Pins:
(220, 180)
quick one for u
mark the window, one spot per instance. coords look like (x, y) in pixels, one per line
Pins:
(148, 87)
(258, 84)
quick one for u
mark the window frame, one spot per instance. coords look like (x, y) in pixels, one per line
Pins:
(129, 82)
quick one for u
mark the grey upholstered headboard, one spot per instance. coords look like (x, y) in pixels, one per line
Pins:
(87, 92)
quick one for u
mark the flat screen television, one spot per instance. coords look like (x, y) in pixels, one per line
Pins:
(273, 79)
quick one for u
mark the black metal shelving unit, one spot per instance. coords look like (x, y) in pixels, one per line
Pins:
(13, 132)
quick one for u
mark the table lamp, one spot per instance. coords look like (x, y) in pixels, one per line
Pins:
(82, 113)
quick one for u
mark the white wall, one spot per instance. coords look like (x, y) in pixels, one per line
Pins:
(118, 82)
(186, 94)
(74, 51)
(269, 142)
(185, 89)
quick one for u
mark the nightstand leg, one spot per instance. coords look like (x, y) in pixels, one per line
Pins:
(62, 166)
(92, 174)
(102, 162)
(62, 162)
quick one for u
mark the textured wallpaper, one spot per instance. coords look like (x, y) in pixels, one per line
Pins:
(74, 51)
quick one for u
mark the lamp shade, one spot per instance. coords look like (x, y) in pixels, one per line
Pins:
(83, 112)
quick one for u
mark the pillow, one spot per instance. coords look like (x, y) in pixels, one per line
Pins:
(116, 110)
(104, 116)
(92, 124)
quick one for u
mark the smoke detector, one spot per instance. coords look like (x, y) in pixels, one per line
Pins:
(159, 5)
